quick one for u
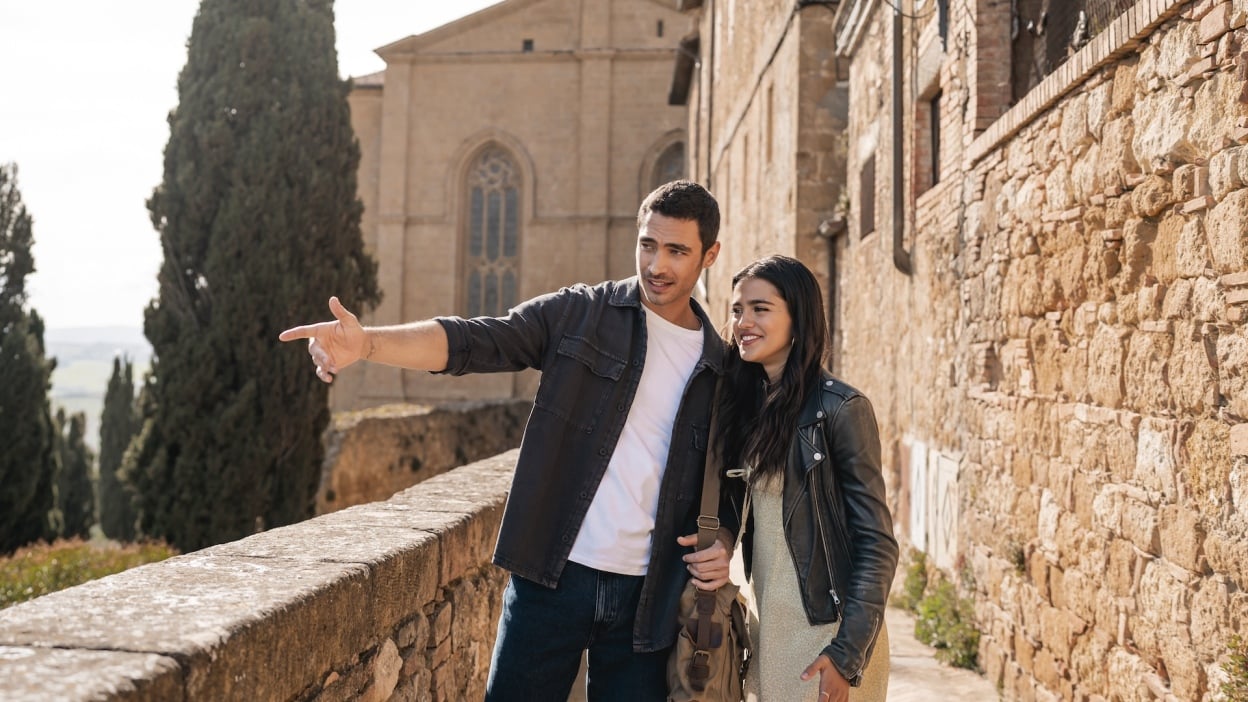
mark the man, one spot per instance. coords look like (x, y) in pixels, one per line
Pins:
(610, 468)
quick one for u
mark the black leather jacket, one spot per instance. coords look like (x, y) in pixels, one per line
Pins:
(837, 524)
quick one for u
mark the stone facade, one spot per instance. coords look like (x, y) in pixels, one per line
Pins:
(568, 98)
(1045, 301)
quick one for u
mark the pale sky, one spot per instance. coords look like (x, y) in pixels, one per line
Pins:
(87, 87)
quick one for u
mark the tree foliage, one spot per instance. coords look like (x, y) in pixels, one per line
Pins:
(26, 432)
(259, 222)
(75, 494)
(119, 422)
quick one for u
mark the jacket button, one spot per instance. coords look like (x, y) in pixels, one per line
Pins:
(602, 452)
(636, 363)
(584, 494)
(818, 456)
(589, 430)
(564, 538)
(819, 414)
(828, 383)
(620, 407)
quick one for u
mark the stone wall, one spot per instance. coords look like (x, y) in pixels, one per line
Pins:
(388, 601)
(372, 454)
(1059, 364)
(1061, 381)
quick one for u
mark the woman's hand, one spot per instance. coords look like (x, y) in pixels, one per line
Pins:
(833, 687)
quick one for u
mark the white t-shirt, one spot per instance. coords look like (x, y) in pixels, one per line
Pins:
(615, 536)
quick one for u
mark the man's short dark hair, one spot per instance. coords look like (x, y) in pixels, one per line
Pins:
(684, 199)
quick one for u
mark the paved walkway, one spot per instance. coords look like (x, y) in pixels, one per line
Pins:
(916, 675)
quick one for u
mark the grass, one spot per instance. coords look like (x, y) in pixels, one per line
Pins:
(43, 568)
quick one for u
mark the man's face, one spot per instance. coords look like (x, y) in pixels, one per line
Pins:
(669, 261)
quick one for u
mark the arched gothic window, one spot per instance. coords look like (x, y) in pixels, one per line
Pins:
(669, 166)
(492, 251)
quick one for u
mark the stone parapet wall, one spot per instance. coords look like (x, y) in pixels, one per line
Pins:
(394, 600)
(373, 453)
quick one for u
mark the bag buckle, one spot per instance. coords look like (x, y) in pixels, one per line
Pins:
(708, 522)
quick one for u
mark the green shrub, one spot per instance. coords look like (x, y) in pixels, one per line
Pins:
(1235, 689)
(946, 622)
(915, 583)
(43, 568)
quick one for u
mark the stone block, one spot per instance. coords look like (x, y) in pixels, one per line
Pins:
(1145, 372)
(1210, 616)
(1239, 440)
(1139, 525)
(1163, 123)
(1190, 181)
(1120, 569)
(1154, 459)
(36, 674)
(1215, 24)
(1106, 355)
(1190, 253)
(1232, 354)
(1182, 536)
(1224, 171)
(1186, 675)
(1152, 195)
(1193, 375)
(1227, 554)
(1118, 159)
(386, 667)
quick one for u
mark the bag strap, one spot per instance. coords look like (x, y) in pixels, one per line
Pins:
(708, 516)
(708, 531)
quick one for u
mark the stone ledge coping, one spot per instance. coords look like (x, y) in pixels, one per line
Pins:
(260, 618)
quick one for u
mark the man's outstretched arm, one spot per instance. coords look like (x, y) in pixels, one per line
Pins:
(335, 345)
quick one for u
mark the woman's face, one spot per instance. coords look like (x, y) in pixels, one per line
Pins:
(761, 325)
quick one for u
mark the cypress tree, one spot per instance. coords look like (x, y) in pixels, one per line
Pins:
(75, 495)
(26, 433)
(118, 425)
(259, 222)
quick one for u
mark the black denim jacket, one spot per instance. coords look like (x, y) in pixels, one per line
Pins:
(590, 344)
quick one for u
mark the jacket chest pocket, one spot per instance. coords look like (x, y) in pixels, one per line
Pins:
(579, 385)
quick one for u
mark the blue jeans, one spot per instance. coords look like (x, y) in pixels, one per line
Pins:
(543, 632)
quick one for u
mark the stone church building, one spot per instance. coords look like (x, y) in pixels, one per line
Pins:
(504, 155)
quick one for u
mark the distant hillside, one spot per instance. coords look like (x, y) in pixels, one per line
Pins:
(84, 362)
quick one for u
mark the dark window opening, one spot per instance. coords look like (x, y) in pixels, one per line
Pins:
(1045, 33)
(669, 166)
(866, 197)
(658, 29)
(942, 22)
(526, 46)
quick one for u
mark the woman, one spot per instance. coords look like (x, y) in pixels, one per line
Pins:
(810, 451)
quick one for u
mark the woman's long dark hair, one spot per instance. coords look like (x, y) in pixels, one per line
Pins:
(760, 421)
